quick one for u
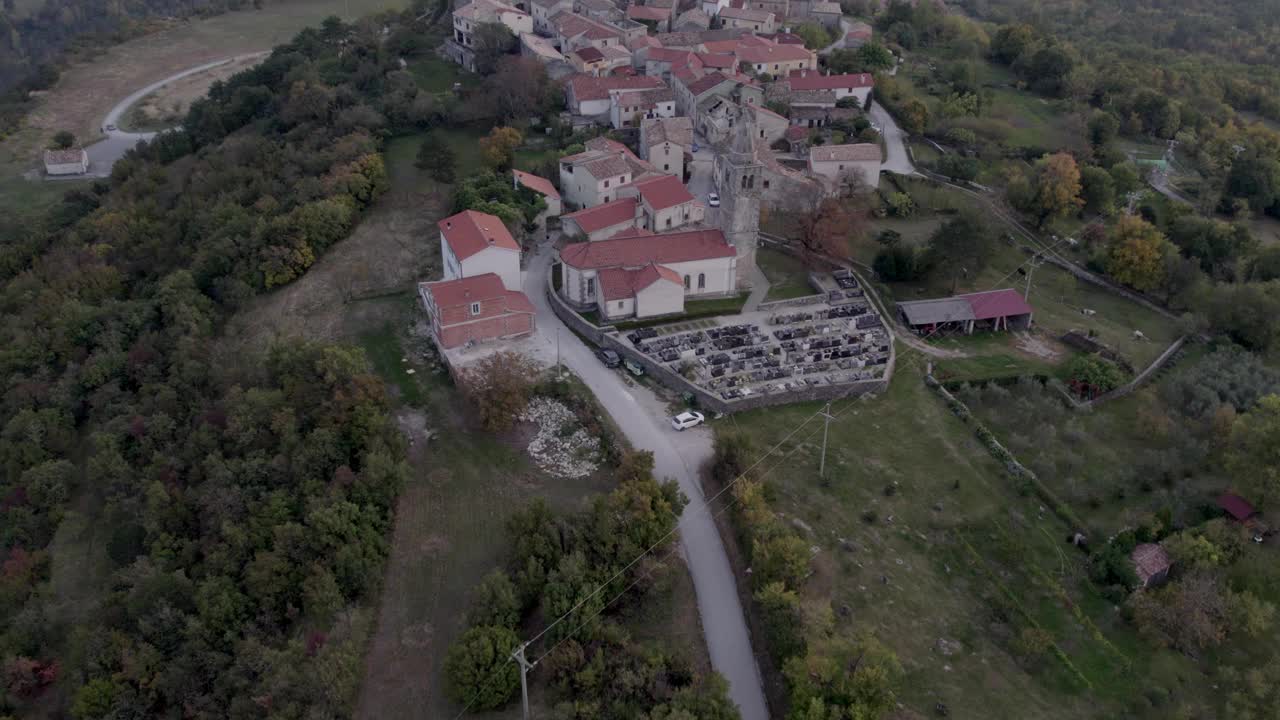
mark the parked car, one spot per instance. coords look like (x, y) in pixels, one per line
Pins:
(111, 128)
(694, 148)
(609, 358)
(633, 367)
(713, 200)
(687, 419)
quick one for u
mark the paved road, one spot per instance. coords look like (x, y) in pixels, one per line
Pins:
(104, 153)
(895, 141)
(678, 455)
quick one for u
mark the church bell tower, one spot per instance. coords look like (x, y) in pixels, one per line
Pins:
(740, 178)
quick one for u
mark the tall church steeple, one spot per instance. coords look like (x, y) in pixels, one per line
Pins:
(740, 178)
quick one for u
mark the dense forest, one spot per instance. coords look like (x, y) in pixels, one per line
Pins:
(247, 501)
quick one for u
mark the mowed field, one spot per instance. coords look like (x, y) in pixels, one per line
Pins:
(87, 90)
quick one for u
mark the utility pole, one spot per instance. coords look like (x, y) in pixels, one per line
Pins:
(525, 667)
(1031, 268)
(826, 424)
(559, 371)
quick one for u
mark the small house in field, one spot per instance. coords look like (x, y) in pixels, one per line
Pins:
(1151, 564)
(71, 161)
(1237, 508)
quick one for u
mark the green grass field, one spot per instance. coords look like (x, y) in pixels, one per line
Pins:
(923, 541)
(788, 277)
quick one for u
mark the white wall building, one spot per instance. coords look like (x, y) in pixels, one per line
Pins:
(834, 162)
(663, 142)
(71, 161)
(592, 178)
(474, 243)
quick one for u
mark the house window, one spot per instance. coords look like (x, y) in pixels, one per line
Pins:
(621, 304)
(606, 183)
(840, 167)
(766, 184)
(591, 287)
(475, 308)
(686, 282)
(702, 281)
(666, 166)
(668, 222)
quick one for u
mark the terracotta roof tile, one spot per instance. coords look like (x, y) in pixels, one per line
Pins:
(604, 215)
(469, 232)
(663, 192)
(479, 288)
(812, 80)
(637, 250)
(860, 152)
(587, 87)
(536, 183)
(620, 284)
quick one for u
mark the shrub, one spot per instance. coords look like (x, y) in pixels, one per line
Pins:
(479, 670)
(500, 386)
(495, 602)
(896, 264)
(784, 558)
(783, 625)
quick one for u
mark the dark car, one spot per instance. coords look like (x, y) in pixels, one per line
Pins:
(609, 358)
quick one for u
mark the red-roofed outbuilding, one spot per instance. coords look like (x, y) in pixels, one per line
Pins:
(475, 309)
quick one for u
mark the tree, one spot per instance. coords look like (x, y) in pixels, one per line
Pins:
(824, 227)
(491, 41)
(963, 245)
(1253, 457)
(1255, 179)
(783, 624)
(437, 157)
(1190, 614)
(500, 386)
(1136, 253)
(479, 669)
(873, 57)
(958, 166)
(901, 205)
(62, 140)
(1094, 374)
(1098, 190)
(1126, 177)
(896, 263)
(1103, 128)
(495, 603)
(1057, 187)
(782, 557)
(1010, 42)
(848, 678)
(815, 36)
(521, 88)
(498, 148)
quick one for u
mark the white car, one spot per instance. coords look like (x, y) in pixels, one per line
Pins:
(713, 200)
(686, 420)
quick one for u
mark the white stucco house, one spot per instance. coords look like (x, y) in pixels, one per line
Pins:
(601, 222)
(592, 178)
(834, 162)
(628, 107)
(475, 243)
(71, 161)
(664, 141)
(858, 85)
(665, 203)
(646, 275)
(468, 18)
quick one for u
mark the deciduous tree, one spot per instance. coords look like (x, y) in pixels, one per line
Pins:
(1057, 187)
(1136, 253)
(499, 146)
(479, 668)
(500, 386)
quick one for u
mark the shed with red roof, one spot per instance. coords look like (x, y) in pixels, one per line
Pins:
(992, 310)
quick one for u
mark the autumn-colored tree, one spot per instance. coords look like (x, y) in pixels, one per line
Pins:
(1136, 255)
(1058, 187)
(500, 386)
(498, 148)
(825, 226)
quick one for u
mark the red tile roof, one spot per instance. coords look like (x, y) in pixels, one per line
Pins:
(718, 60)
(796, 132)
(587, 87)
(620, 284)
(774, 53)
(786, 38)
(1149, 560)
(720, 46)
(646, 12)
(605, 215)
(469, 232)
(671, 55)
(706, 82)
(663, 192)
(1236, 506)
(480, 288)
(536, 183)
(589, 54)
(996, 303)
(811, 80)
(637, 250)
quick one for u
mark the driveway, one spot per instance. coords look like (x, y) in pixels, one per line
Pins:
(678, 455)
(895, 141)
(104, 153)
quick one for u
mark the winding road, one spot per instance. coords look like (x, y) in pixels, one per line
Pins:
(895, 141)
(104, 153)
(642, 417)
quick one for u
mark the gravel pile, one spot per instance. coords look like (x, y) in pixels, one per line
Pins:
(561, 447)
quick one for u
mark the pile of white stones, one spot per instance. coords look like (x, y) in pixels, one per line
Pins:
(561, 447)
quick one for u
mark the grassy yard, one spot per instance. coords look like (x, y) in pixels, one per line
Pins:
(466, 147)
(437, 75)
(788, 276)
(922, 540)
